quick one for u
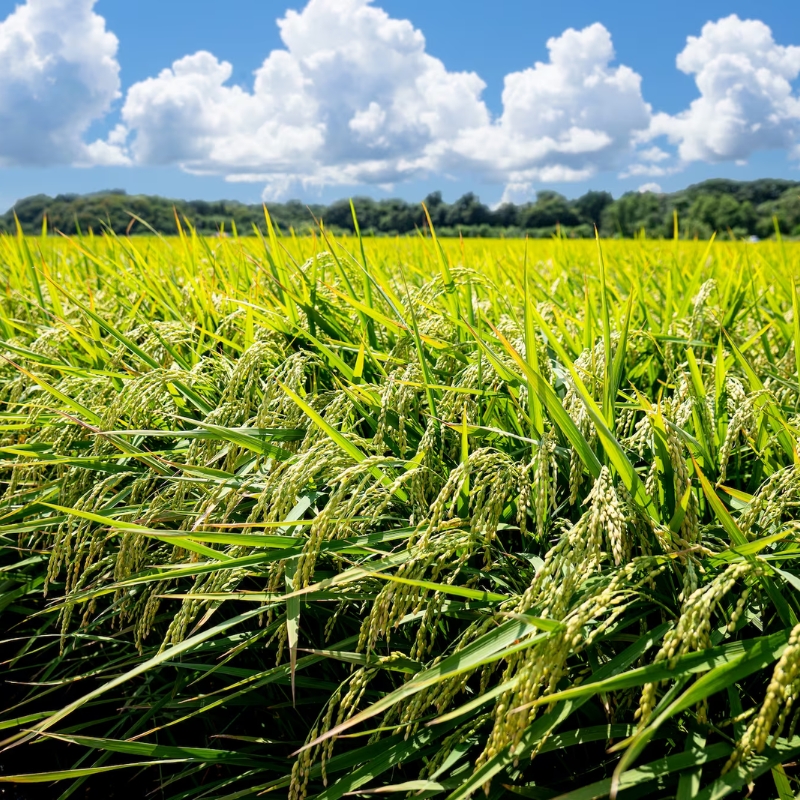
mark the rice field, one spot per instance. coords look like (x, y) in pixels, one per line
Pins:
(315, 518)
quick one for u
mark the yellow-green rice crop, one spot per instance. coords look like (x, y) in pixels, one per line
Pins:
(314, 518)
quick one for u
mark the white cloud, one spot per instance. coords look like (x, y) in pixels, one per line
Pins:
(646, 170)
(354, 98)
(58, 74)
(565, 119)
(746, 100)
(649, 187)
(653, 155)
(522, 192)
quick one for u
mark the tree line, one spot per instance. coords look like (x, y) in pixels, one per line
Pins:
(742, 209)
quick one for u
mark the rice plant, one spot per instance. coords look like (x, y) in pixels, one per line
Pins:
(316, 517)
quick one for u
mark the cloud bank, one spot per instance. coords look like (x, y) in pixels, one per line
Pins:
(746, 101)
(353, 97)
(59, 74)
(562, 120)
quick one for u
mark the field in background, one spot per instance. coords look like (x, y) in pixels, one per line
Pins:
(323, 517)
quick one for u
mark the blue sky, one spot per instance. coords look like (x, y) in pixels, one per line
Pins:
(393, 98)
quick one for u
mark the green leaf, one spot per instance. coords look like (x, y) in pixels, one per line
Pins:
(757, 655)
(461, 591)
(544, 725)
(168, 654)
(509, 637)
(676, 764)
(720, 512)
(68, 774)
(755, 766)
(342, 441)
(612, 447)
(160, 751)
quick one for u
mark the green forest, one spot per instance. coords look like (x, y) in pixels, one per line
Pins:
(730, 208)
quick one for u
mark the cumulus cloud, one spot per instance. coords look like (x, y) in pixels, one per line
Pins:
(564, 119)
(655, 188)
(746, 100)
(58, 74)
(354, 98)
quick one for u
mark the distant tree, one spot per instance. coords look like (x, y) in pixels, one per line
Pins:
(506, 215)
(744, 208)
(786, 209)
(339, 215)
(468, 210)
(634, 212)
(397, 216)
(549, 210)
(590, 207)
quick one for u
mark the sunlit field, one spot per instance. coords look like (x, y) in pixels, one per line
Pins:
(318, 517)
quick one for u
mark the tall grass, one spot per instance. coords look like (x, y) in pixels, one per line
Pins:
(316, 518)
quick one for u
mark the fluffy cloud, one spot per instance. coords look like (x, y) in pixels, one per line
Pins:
(58, 73)
(564, 119)
(353, 98)
(188, 115)
(746, 100)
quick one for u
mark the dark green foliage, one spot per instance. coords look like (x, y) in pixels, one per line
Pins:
(742, 209)
(507, 516)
